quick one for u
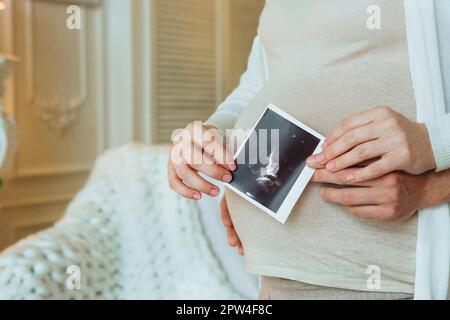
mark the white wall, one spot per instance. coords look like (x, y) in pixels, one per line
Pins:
(59, 106)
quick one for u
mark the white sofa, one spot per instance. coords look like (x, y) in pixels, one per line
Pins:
(130, 237)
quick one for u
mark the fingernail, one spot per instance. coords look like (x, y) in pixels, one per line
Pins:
(331, 166)
(232, 167)
(227, 178)
(310, 161)
(214, 192)
(320, 158)
(197, 196)
(350, 177)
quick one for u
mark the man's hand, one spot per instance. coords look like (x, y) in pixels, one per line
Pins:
(395, 142)
(233, 238)
(393, 197)
(195, 149)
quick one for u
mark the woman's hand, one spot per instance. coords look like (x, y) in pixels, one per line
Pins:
(195, 149)
(233, 238)
(395, 142)
(393, 197)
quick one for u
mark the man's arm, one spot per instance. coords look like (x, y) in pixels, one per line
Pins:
(436, 189)
(394, 197)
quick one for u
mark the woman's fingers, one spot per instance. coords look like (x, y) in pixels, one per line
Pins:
(233, 239)
(349, 140)
(195, 149)
(352, 122)
(316, 162)
(338, 178)
(211, 141)
(193, 179)
(218, 150)
(357, 155)
(374, 170)
(240, 249)
(202, 162)
(225, 214)
(344, 138)
(179, 187)
(213, 170)
(355, 196)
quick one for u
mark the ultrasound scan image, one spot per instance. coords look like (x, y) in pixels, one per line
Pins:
(269, 179)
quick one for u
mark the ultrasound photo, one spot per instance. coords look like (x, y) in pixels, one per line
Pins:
(272, 171)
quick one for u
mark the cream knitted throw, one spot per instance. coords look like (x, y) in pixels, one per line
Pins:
(130, 235)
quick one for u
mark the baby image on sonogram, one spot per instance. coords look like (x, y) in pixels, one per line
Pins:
(267, 175)
(269, 179)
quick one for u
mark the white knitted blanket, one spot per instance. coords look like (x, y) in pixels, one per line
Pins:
(131, 237)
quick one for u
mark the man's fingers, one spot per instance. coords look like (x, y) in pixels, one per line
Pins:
(193, 179)
(354, 196)
(179, 187)
(380, 212)
(349, 140)
(341, 178)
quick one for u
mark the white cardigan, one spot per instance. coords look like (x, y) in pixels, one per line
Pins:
(433, 241)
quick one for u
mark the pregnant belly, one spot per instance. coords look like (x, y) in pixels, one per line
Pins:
(322, 99)
(319, 231)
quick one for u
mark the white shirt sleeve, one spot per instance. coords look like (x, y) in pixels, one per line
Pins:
(439, 129)
(439, 132)
(252, 81)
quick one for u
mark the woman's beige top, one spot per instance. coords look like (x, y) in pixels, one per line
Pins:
(325, 64)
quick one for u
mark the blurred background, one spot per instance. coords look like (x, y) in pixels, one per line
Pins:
(134, 71)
